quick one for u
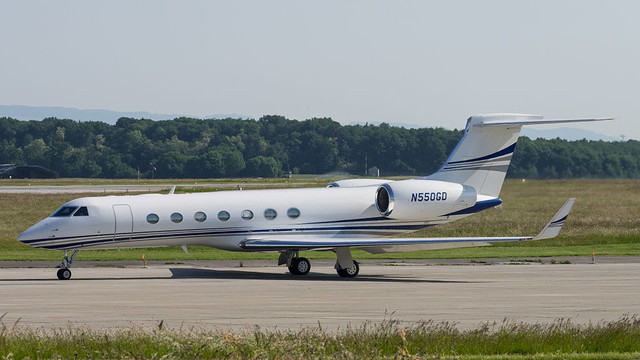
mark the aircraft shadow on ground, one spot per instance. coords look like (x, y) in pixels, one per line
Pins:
(194, 273)
(230, 274)
(53, 278)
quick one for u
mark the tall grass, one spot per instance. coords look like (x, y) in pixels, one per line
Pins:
(389, 339)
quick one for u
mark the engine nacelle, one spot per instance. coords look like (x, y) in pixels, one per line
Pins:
(423, 199)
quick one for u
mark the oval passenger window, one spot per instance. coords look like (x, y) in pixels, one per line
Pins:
(176, 217)
(152, 218)
(200, 216)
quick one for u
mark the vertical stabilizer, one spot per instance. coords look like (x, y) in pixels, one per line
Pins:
(483, 155)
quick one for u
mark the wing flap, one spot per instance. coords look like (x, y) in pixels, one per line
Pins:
(418, 247)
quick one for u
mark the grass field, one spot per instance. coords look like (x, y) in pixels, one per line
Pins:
(390, 339)
(605, 220)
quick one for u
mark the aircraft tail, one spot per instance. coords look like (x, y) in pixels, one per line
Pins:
(483, 155)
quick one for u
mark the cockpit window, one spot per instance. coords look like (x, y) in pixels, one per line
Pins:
(65, 211)
(82, 211)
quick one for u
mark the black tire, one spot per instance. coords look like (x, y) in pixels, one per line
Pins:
(303, 266)
(300, 266)
(64, 274)
(293, 269)
(349, 272)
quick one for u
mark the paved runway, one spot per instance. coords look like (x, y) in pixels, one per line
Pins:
(226, 297)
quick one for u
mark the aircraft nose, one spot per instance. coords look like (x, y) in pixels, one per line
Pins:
(36, 232)
(26, 235)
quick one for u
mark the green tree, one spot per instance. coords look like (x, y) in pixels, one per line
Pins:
(264, 166)
(35, 153)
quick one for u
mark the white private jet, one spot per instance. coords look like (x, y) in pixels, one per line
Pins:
(358, 213)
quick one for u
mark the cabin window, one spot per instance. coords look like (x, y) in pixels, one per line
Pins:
(223, 215)
(65, 211)
(200, 216)
(270, 214)
(152, 218)
(176, 217)
(293, 213)
(247, 214)
(82, 211)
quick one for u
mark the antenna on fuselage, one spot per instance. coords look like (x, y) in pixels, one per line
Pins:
(173, 190)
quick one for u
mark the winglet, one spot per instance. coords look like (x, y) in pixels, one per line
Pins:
(553, 227)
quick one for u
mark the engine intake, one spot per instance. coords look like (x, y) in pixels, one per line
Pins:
(384, 199)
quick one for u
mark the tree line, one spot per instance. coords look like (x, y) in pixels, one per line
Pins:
(274, 145)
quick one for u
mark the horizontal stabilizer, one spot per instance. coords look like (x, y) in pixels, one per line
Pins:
(539, 121)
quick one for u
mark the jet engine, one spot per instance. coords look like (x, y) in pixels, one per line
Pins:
(419, 199)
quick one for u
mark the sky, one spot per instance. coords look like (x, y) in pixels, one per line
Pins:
(420, 63)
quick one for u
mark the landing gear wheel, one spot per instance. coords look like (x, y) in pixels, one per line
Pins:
(300, 266)
(350, 272)
(64, 274)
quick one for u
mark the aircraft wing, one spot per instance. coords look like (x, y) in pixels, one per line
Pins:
(384, 245)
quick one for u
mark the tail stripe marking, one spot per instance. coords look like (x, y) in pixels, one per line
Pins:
(508, 150)
(558, 223)
(498, 161)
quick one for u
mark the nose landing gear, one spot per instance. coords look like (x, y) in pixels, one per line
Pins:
(64, 273)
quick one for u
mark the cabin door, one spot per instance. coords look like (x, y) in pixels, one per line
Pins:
(123, 222)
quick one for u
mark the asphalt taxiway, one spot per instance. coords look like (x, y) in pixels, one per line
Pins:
(221, 296)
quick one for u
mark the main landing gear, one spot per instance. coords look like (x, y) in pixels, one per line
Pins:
(300, 266)
(297, 265)
(349, 272)
(345, 265)
(64, 273)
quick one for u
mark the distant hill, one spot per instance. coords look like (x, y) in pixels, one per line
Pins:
(21, 112)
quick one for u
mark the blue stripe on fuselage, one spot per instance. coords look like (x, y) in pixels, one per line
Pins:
(479, 206)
